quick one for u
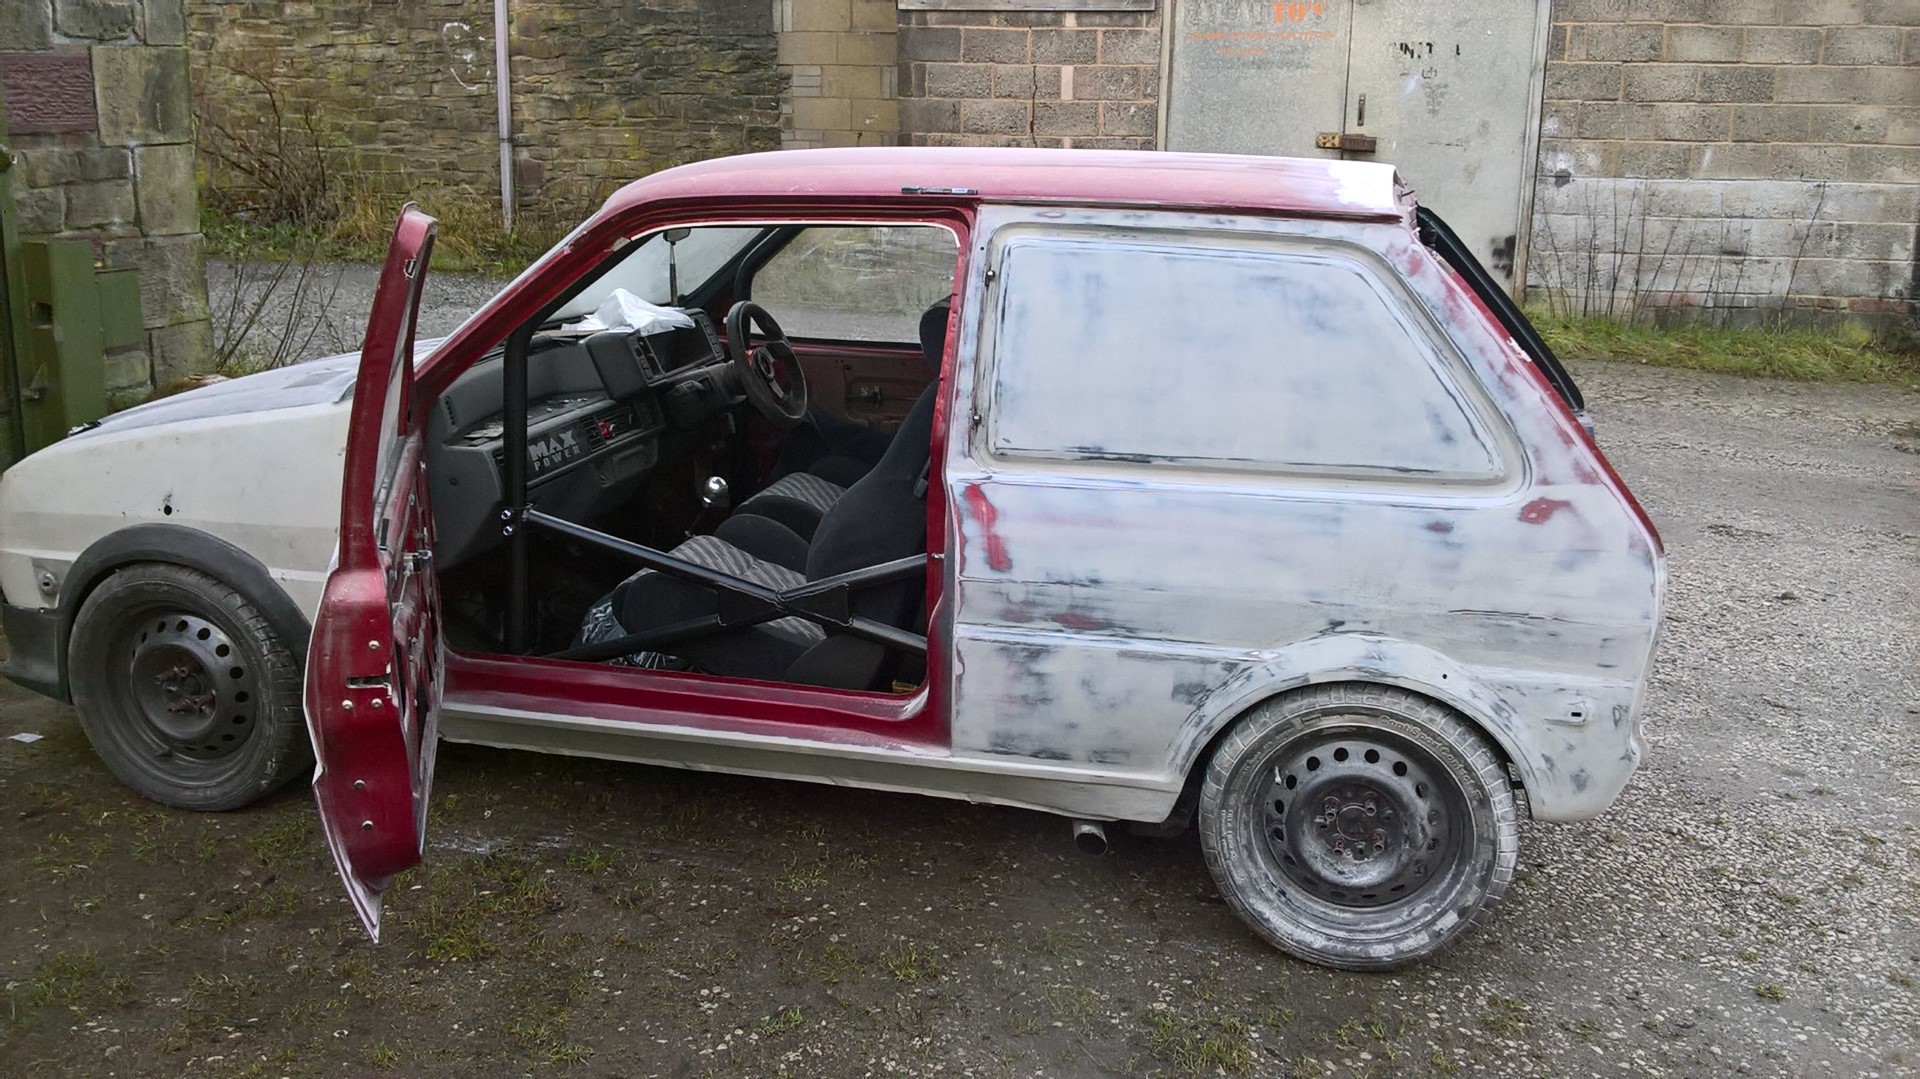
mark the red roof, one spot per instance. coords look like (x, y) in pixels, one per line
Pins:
(1315, 187)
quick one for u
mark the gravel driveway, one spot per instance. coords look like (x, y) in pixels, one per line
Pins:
(1751, 906)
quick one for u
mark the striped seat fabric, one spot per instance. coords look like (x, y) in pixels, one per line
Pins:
(603, 624)
(797, 500)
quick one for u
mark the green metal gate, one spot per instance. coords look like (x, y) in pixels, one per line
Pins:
(60, 314)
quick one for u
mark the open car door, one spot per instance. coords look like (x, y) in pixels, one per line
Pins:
(374, 669)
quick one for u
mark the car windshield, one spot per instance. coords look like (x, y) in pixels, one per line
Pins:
(643, 272)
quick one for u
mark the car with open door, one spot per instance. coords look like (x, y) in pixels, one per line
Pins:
(1144, 488)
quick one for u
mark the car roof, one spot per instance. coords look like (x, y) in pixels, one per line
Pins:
(1303, 186)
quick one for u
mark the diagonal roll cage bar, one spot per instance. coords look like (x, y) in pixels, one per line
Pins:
(742, 603)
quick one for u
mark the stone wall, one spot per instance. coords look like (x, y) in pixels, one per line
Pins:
(402, 97)
(98, 107)
(1030, 78)
(838, 56)
(1737, 157)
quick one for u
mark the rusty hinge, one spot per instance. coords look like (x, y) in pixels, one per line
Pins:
(1350, 143)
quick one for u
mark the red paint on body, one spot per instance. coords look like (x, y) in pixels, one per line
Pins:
(989, 518)
(1540, 510)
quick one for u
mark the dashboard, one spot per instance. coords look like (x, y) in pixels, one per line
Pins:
(599, 407)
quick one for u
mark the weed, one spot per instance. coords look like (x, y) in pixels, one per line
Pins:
(1442, 1064)
(1277, 1015)
(260, 903)
(1074, 1005)
(1769, 992)
(910, 964)
(60, 980)
(1023, 1023)
(786, 1021)
(1842, 355)
(1505, 1016)
(1195, 1046)
(506, 894)
(289, 840)
(802, 876)
(1057, 943)
(383, 1056)
(593, 860)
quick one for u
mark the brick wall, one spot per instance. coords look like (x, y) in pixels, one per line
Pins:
(1041, 78)
(1731, 156)
(404, 93)
(838, 56)
(101, 129)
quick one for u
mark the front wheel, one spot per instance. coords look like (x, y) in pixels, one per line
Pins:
(1358, 827)
(185, 690)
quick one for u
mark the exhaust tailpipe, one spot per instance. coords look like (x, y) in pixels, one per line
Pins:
(1090, 836)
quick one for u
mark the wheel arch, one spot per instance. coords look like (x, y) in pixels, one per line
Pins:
(181, 546)
(1358, 658)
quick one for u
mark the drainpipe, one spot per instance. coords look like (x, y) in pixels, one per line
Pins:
(503, 92)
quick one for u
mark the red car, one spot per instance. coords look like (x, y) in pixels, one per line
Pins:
(1144, 488)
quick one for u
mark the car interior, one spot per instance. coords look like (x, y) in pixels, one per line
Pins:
(727, 450)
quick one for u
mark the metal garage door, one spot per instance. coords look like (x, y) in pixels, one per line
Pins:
(1450, 93)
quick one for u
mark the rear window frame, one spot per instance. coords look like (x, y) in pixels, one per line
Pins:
(1314, 239)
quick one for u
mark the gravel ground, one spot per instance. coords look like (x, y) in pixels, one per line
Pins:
(1750, 907)
(275, 313)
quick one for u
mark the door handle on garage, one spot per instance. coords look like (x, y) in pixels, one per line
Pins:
(1346, 142)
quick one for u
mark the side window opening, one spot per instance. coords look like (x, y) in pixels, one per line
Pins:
(1281, 357)
(868, 283)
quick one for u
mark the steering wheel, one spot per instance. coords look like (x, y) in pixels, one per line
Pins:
(770, 373)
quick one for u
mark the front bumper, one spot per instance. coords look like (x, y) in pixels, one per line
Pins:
(33, 634)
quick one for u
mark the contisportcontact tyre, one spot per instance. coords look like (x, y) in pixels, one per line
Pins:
(1357, 826)
(185, 690)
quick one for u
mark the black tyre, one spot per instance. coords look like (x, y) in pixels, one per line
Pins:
(185, 690)
(1359, 827)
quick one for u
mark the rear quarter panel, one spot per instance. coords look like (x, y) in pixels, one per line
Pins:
(1117, 616)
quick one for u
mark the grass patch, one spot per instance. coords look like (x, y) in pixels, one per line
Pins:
(910, 964)
(1505, 1016)
(470, 239)
(495, 898)
(288, 843)
(65, 981)
(1193, 1046)
(1845, 354)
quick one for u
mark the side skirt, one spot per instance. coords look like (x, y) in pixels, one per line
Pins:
(1070, 792)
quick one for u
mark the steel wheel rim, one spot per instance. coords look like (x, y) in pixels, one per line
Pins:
(190, 695)
(1357, 820)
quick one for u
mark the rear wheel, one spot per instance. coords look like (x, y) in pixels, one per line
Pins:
(1359, 827)
(185, 690)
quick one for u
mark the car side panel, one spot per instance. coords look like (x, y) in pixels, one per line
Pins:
(267, 483)
(1117, 615)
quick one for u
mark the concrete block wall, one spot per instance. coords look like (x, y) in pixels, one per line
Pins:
(839, 60)
(1741, 159)
(1089, 79)
(102, 131)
